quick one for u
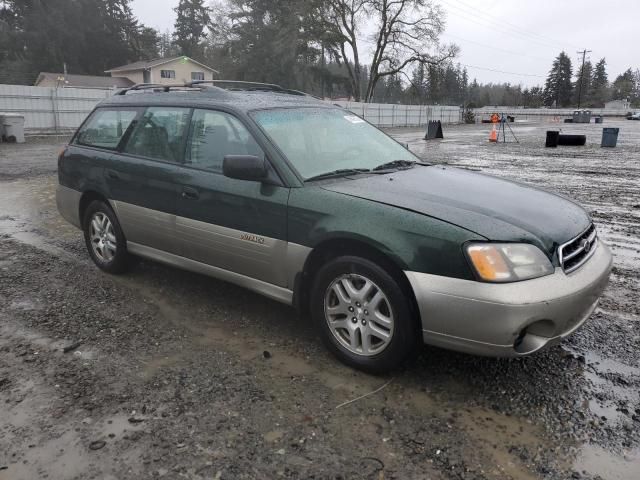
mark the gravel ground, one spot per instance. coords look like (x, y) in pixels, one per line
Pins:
(164, 373)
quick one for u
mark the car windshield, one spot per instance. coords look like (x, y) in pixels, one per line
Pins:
(323, 140)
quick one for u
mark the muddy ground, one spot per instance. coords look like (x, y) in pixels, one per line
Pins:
(167, 374)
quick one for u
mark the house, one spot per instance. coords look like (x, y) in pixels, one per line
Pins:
(164, 71)
(618, 105)
(61, 80)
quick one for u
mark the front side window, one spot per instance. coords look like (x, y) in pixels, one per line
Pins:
(197, 75)
(167, 73)
(216, 134)
(160, 134)
(321, 140)
(106, 128)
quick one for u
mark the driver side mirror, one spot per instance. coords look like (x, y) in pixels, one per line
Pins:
(244, 167)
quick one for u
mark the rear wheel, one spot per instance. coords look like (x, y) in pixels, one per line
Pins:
(104, 238)
(363, 314)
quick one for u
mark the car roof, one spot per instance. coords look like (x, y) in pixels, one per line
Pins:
(242, 100)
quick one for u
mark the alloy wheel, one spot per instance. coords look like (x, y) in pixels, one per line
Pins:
(359, 314)
(103, 238)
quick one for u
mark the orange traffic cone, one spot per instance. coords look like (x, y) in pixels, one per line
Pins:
(493, 136)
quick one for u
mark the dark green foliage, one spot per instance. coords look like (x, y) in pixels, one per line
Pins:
(599, 91)
(582, 85)
(192, 21)
(89, 36)
(627, 86)
(558, 87)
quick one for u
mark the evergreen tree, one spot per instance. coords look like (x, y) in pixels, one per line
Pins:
(598, 93)
(192, 20)
(418, 90)
(624, 86)
(558, 88)
(582, 86)
(88, 36)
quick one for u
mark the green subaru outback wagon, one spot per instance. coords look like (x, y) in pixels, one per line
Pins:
(310, 205)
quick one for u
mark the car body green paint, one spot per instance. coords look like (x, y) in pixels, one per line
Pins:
(415, 242)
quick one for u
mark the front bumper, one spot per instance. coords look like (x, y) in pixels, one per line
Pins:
(509, 319)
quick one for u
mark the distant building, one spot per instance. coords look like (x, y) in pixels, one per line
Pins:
(60, 80)
(618, 105)
(164, 71)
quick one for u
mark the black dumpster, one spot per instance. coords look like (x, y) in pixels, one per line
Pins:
(576, 140)
(599, 119)
(552, 139)
(609, 137)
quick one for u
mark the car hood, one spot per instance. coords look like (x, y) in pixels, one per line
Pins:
(495, 208)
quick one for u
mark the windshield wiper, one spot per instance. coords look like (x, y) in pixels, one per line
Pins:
(397, 164)
(338, 173)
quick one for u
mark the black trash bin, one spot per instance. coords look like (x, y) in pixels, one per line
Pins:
(552, 139)
(609, 137)
(599, 119)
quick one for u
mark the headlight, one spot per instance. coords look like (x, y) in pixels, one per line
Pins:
(508, 262)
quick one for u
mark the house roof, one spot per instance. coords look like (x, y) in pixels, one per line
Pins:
(93, 81)
(145, 64)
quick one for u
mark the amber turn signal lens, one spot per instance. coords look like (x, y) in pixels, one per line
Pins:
(489, 263)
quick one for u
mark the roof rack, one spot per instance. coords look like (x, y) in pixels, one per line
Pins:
(213, 85)
(241, 85)
(160, 86)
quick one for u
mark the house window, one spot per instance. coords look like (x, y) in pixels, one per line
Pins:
(197, 75)
(167, 74)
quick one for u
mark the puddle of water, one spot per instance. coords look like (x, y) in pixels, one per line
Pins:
(598, 461)
(493, 433)
(63, 457)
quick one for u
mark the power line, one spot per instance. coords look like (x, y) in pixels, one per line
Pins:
(503, 71)
(494, 25)
(363, 40)
(519, 28)
(511, 52)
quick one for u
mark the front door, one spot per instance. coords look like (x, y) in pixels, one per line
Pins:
(235, 225)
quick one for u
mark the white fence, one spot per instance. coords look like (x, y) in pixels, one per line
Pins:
(61, 109)
(390, 115)
(50, 109)
(542, 114)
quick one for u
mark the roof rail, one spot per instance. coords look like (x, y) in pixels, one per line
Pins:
(248, 86)
(163, 87)
(215, 85)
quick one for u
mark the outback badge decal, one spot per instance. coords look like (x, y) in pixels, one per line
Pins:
(252, 238)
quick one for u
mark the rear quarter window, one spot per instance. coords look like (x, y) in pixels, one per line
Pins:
(106, 128)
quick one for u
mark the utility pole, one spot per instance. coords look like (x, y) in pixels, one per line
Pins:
(584, 54)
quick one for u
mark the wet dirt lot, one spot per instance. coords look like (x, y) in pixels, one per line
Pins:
(166, 374)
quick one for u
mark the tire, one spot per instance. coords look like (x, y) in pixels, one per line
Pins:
(354, 303)
(104, 239)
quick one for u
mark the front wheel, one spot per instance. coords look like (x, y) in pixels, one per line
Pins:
(363, 315)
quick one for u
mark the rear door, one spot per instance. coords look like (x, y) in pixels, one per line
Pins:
(232, 224)
(142, 177)
(93, 147)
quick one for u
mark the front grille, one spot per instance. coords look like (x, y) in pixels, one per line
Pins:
(574, 253)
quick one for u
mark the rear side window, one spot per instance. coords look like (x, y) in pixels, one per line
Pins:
(106, 128)
(160, 134)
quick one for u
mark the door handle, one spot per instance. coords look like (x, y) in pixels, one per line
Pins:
(113, 175)
(190, 193)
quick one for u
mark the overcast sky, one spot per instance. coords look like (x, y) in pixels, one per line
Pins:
(517, 36)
